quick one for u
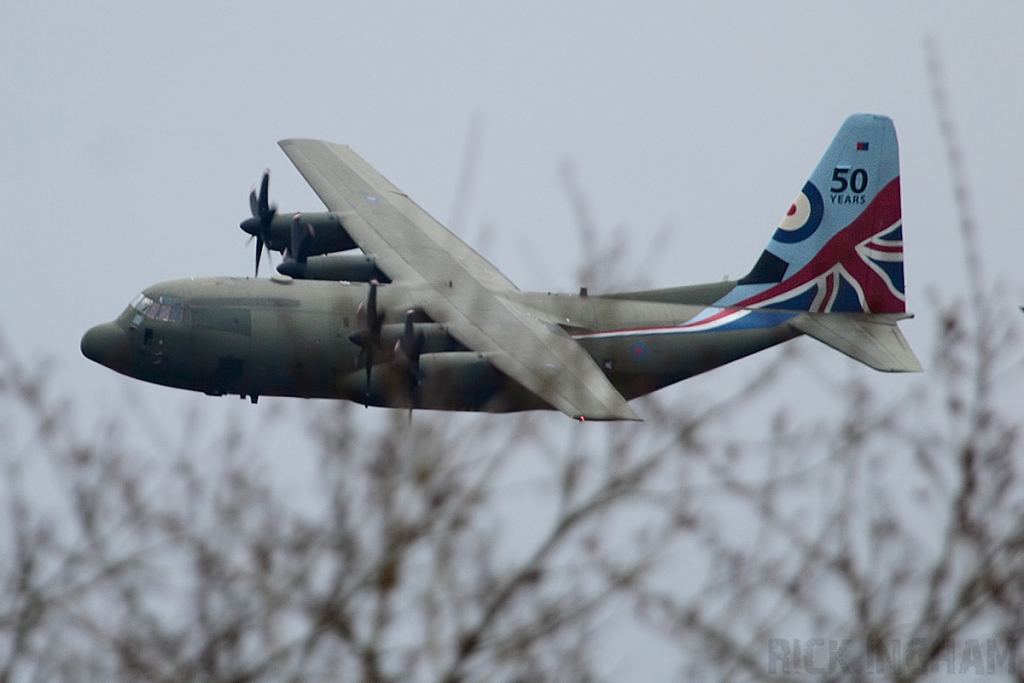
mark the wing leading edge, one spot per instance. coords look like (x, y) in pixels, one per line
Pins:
(460, 287)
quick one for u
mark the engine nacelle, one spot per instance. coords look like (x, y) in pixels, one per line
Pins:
(459, 380)
(435, 338)
(336, 267)
(461, 377)
(328, 235)
(467, 380)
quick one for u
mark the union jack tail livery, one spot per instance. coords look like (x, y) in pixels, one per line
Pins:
(839, 247)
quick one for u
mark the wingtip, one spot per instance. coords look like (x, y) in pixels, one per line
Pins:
(289, 142)
(627, 415)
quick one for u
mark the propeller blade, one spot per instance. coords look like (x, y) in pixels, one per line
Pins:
(296, 237)
(301, 233)
(409, 331)
(259, 253)
(368, 338)
(264, 199)
(411, 346)
(374, 320)
(368, 349)
(262, 217)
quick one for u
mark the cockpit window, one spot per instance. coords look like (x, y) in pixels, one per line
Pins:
(164, 309)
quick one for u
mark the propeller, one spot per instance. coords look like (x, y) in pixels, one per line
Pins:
(369, 337)
(409, 348)
(262, 216)
(294, 264)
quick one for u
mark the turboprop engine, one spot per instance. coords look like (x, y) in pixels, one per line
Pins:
(458, 380)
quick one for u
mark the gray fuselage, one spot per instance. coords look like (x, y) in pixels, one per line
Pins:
(282, 337)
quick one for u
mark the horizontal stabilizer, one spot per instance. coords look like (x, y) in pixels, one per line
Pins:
(872, 339)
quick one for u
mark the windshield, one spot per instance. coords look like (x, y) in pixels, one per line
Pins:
(164, 308)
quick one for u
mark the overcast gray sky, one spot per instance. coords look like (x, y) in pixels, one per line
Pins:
(131, 132)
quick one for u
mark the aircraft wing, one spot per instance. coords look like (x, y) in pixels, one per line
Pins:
(460, 287)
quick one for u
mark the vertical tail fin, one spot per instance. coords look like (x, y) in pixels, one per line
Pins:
(840, 246)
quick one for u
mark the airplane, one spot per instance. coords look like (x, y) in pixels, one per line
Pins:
(421, 320)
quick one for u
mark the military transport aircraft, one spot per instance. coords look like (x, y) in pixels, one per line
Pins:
(420, 320)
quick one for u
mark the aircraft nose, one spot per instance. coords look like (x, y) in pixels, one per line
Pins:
(108, 345)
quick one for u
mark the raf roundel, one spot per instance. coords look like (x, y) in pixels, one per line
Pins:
(803, 217)
(797, 215)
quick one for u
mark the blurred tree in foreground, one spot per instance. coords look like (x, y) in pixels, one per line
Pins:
(879, 536)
